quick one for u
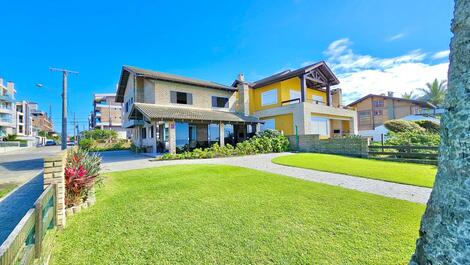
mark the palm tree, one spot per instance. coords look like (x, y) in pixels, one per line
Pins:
(434, 92)
(445, 226)
(408, 95)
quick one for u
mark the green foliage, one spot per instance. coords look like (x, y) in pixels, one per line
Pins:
(11, 137)
(413, 138)
(137, 149)
(208, 214)
(435, 92)
(86, 144)
(98, 134)
(429, 126)
(268, 141)
(402, 126)
(81, 174)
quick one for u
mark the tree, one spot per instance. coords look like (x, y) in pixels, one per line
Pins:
(445, 227)
(408, 95)
(434, 92)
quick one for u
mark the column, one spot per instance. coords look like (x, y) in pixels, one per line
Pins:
(221, 134)
(54, 167)
(328, 95)
(172, 137)
(303, 88)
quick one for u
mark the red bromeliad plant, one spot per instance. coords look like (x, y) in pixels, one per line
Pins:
(81, 174)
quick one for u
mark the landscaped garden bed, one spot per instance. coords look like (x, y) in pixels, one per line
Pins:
(405, 173)
(207, 214)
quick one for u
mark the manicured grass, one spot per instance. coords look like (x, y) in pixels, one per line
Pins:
(405, 173)
(6, 188)
(208, 214)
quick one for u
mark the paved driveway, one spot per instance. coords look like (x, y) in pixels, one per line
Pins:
(125, 160)
(20, 166)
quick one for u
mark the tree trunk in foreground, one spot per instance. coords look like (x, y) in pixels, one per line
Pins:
(444, 236)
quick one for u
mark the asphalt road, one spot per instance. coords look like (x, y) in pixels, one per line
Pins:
(20, 166)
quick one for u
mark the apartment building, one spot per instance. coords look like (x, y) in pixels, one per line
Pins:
(374, 110)
(41, 121)
(24, 119)
(107, 114)
(7, 108)
(166, 112)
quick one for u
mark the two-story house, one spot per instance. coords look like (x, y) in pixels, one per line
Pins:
(167, 112)
(374, 110)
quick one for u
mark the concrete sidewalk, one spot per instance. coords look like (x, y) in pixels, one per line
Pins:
(124, 160)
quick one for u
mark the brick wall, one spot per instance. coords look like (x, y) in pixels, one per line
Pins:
(354, 146)
(54, 169)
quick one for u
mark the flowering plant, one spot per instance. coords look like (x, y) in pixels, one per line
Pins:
(81, 174)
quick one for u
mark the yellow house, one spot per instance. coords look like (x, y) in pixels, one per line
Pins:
(298, 101)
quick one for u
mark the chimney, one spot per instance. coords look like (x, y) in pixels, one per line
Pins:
(241, 77)
(244, 95)
(390, 93)
(337, 98)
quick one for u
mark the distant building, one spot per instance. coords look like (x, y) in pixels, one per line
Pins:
(7, 109)
(374, 110)
(24, 119)
(106, 114)
(41, 121)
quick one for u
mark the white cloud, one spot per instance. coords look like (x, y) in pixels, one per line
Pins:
(396, 37)
(441, 54)
(365, 74)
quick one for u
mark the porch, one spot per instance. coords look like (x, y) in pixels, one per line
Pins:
(177, 129)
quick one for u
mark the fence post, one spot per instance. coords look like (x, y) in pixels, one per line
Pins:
(38, 230)
(54, 170)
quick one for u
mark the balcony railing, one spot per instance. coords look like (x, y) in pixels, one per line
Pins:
(7, 97)
(297, 100)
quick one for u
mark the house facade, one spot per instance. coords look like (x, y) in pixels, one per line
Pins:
(165, 112)
(374, 110)
(299, 102)
(107, 114)
(7, 108)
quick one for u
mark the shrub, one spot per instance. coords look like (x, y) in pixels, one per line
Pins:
(429, 126)
(413, 138)
(86, 144)
(264, 142)
(136, 149)
(398, 126)
(81, 174)
(100, 135)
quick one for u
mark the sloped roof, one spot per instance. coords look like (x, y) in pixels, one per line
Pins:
(417, 102)
(153, 111)
(287, 74)
(126, 70)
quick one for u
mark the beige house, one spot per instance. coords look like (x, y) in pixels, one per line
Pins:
(7, 108)
(374, 110)
(166, 112)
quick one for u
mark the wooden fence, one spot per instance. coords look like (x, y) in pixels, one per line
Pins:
(419, 154)
(30, 241)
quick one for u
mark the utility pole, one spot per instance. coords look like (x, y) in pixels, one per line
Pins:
(74, 128)
(65, 73)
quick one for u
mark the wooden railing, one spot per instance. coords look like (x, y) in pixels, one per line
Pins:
(404, 153)
(28, 241)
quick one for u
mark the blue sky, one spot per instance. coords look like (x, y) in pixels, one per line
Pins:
(373, 46)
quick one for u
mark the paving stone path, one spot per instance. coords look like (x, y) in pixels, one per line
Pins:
(123, 160)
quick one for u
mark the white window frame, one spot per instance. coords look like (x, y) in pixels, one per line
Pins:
(317, 99)
(269, 93)
(268, 121)
(317, 130)
(294, 94)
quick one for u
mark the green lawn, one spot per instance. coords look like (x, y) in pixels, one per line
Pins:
(208, 214)
(6, 188)
(406, 173)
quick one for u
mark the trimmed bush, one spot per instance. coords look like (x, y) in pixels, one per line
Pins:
(413, 138)
(100, 135)
(399, 126)
(268, 141)
(86, 144)
(429, 126)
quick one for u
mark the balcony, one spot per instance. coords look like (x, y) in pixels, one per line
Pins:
(7, 97)
(5, 109)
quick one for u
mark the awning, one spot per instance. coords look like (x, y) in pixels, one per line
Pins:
(158, 112)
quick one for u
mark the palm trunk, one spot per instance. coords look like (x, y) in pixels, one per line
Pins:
(444, 236)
